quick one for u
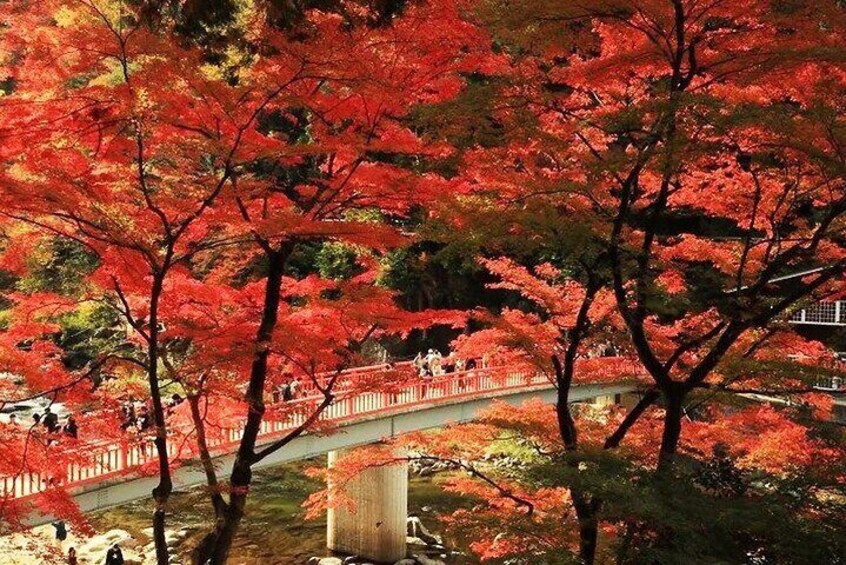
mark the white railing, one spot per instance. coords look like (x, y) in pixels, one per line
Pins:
(822, 314)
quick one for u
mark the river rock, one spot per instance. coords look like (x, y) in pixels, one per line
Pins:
(324, 561)
(413, 541)
(356, 560)
(423, 560)
(415, 530)
(95, 547)
(423, 467)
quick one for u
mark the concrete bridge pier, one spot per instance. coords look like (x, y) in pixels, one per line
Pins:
(374, 528)
(626, 399)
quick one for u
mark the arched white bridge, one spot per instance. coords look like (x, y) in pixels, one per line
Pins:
(113, 474)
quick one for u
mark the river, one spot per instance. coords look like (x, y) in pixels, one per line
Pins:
(274, 530)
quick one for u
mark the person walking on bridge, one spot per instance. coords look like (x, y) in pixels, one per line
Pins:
(71, 429)
(51, 421)
(289, 391)
(433, 362)
(419, 364)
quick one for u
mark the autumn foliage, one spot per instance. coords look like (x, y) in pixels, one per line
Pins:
(191, 181)
(656, 182)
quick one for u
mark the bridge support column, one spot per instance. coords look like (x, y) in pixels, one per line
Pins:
(375, 527)
(605, 400)
(629, 400)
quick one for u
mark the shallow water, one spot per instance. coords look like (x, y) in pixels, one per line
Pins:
(274, 530)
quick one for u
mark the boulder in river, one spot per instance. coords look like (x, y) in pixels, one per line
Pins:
(356, 560)
(324, 561)
(415, 530)
(423, 560)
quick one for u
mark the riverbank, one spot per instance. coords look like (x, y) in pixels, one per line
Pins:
(274, 530)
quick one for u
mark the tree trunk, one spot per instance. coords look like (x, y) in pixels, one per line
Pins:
(205, 456)
(625, 543)
(586, 505)
(241, 476)
(674, 399)
(648, 399)
(587, 511)
(203, 550)
(161, 493)
(228, 527)
(566, 425)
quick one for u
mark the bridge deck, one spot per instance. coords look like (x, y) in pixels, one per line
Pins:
(118, 473)
(353, 433)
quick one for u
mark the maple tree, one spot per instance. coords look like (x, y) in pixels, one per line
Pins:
(187, 179)
(670, 147)
(348, 180)
(577, 323)
(641, 173)
(667, 128)
(736, 496)
(654, 150)
(104, 145)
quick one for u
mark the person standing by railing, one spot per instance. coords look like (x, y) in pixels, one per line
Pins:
(419, 363)
(289, 390)
(129, 414)
(51, 421)
(143, 422)
(426, 376)
(435, 362)
(459, 368)
(469, 367)
(449, 363)
(71, 428)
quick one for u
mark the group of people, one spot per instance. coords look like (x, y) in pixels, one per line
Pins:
(50, 421)
(114, 555)
(137, 416)
(433, 363)
(606, 349)
(287, 392)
